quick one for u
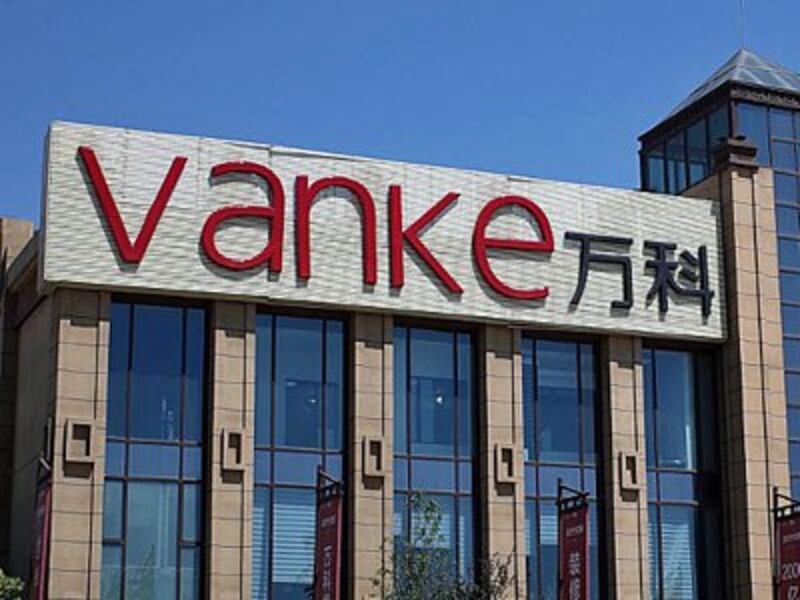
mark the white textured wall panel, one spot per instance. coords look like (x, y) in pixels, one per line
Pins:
(79, 250)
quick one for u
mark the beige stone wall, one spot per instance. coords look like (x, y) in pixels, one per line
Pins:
(14, 234)
(501, 440)
(371, 497)
(229, 491)
(80, 339)
(625, 494)
(754, 442)
(34, 400)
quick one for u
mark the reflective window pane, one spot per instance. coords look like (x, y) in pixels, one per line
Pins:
(790, 287)
(433, 475)
(788, 220)
(676, 163)
(400, 350)
(193, 405)
(784, 156)
(432, 387)
(558, 402)
(112, 510)
(192, 513)
(154, 460)
(115, 458)
(464, 392)
(334, 384)
(697, 152)
(655, 170)
(752, 121)
(264, 343)
(111, 578)
(151, 557)
(786, 189)
(674, 406)
(792, 385)
(190, 573)
(297, 467)
(156, 376)
(718, 127)
(118, 369)
(781, 123)
(298, 382)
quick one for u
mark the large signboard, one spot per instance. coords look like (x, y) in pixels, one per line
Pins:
(172, 214)
(788, 542)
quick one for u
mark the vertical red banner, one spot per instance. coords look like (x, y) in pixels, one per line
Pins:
(573, 552)
(328, 552)
(787, 533)
(41, 540)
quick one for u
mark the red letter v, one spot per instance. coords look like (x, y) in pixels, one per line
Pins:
(129, 253)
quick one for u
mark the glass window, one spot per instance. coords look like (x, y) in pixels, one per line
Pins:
(683, 474)
(434, 410)
(788, 220)
(676, 163)
(655, 170)
(790, 287)
(299, 428)
(697, 151)
(559, 404)
(784, 156)
(752, 122)
(786, 188)
(154, 445)
(718, 127)
(781, 123)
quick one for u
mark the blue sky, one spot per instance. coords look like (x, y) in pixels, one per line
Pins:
(557, 89)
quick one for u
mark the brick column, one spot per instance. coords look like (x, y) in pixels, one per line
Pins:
(229, 487)
(370, 494)
(755, 449)
(624, 449)
(81, 333)
(501, 442)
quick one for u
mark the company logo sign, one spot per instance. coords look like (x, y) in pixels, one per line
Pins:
(170, 213)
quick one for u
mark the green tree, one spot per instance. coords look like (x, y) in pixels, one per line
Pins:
(10, 587)
(422, 569)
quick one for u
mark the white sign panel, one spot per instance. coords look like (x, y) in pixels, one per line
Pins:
(150, 212)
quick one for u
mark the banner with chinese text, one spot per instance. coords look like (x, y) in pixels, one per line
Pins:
(573, 552)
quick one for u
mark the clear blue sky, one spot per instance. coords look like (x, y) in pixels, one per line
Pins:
(556, 89)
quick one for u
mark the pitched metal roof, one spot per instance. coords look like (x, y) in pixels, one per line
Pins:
(747, 68)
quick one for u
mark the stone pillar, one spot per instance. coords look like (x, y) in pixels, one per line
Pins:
(230, 438)
(754, 439)
(14, 234)
(370, 485)
(80, 332)
(501, 442)
(625, 499)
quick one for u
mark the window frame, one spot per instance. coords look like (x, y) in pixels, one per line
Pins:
(322, 453)
(455, 328)
(131, 302)
(707, 481)
(598, 499)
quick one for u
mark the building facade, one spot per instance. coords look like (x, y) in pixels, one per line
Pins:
(199, 325)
